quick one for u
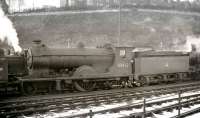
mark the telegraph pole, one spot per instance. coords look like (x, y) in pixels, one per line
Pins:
(33, 5)
(119, 25)
(19, 5)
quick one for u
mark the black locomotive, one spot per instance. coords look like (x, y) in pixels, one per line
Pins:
(44, 69)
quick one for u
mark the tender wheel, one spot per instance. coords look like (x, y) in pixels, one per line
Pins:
(115, 84)
(142, 80)
(85, 86)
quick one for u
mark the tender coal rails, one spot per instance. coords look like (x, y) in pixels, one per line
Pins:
(44, 69)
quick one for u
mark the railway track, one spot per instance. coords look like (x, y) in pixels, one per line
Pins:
(28, 106)
(152, 106)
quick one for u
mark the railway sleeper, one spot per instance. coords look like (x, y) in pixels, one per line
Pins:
(62, 106)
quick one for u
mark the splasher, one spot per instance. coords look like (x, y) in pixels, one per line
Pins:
(8, 32)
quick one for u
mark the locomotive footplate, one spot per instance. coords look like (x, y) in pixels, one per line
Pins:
(75, 81)
(89, 77)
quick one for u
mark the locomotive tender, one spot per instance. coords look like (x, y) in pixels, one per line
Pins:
(44, 69)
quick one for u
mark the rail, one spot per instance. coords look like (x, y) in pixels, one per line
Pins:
(63, 102)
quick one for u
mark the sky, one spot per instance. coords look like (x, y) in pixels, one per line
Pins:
(29, 4)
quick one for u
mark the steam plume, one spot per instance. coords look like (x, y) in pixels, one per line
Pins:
(193, 40)
(8, 32)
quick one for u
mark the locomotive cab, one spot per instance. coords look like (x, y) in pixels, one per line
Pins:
(123, 61)
(3, 67)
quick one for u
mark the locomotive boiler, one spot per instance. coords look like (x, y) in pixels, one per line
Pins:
(68, 65)
(44, 61)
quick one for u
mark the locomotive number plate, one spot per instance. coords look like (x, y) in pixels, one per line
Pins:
(122, 65)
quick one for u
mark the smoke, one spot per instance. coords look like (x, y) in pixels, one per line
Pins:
(192, 40)
(186, 44)
(8, 32)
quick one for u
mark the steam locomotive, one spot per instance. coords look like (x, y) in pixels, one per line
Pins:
(44, 69)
